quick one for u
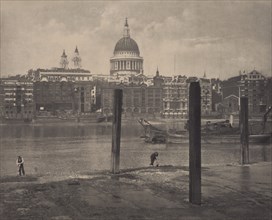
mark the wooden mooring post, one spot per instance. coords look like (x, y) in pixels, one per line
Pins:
(244, 130)
(116, 130)
(194, 144)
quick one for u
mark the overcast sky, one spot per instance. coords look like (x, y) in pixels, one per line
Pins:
(179, 37)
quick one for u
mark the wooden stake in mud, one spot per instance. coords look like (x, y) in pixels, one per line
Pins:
(244, 130)
(116, 130)
(194, 144)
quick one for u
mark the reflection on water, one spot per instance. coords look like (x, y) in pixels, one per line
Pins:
(264, 153)
(63, 149)
(245, 178)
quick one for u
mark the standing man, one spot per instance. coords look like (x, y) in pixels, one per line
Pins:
(153, 158)
(20, 164)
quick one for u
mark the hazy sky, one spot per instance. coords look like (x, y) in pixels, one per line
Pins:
(220, 38)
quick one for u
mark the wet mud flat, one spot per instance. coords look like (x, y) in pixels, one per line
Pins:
(228, 192)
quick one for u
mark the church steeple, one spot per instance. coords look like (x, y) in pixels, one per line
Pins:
(76, 59)
(157, 72)
(76, 50)
(126, 29)
(64, 61)
(64, 55)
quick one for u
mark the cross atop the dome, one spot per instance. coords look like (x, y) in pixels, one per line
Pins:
(126, 29)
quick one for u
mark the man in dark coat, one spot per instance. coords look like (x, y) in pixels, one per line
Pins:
(153, 157)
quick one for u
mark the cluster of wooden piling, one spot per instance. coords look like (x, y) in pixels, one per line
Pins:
(194, 137)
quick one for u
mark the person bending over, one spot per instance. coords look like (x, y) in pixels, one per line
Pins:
(20, 164)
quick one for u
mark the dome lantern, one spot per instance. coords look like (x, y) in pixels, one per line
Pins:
(126, 29)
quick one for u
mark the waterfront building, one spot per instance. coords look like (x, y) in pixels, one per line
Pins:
(2, 99)
(205, 92)
(126, 60)
(216, 99)
(268, 92)
(230, 91)
(64, 96)
(231, 86)
(18, 98)
(62, 75)
(175, 97)
(230, 105)
(216, 93)
(53, 96)
(252, 85)
(137, 99)
(158, 80)
(206, 96)
(216, 85)
(64, 89)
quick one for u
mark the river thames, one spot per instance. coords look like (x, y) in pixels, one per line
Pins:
(71, 148)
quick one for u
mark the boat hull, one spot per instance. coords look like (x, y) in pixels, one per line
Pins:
(260, 138)
(212, 134)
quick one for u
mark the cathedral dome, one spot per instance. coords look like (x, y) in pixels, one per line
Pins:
(126, 44)
(126, 58)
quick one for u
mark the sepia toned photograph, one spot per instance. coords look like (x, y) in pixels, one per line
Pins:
(136, 110)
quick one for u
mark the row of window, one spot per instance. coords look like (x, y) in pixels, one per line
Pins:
(24, 101)
(58, 78)
(18, 88)
(11, 112)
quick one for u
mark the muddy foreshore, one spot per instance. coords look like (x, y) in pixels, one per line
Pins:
(228, 192)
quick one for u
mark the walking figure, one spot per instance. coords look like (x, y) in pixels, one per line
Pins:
(153, 158)
(20, 164)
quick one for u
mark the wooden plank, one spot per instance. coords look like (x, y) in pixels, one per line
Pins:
(116, 130)
(195, 143)
(244, 134)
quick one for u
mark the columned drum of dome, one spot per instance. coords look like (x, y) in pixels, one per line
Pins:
(126, 58)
